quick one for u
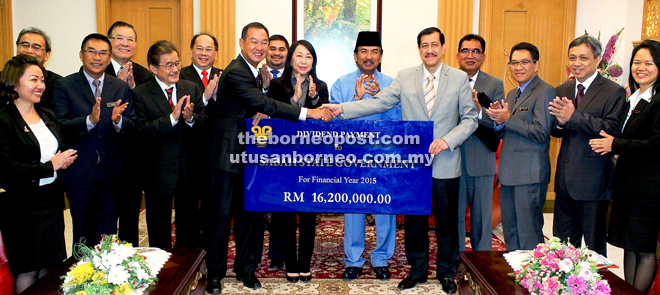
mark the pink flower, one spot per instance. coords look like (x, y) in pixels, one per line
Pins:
(603, 287)
(615, 70)
(577, 284)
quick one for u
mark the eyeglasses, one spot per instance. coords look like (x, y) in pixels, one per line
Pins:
(27, 45)
(475, 52)
(170, 65)
(93, 52)
(524, 62)
(121, 39)
(202, 49)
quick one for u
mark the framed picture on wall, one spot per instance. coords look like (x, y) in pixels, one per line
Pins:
(332, 27)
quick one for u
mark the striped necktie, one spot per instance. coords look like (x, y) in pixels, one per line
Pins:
(169, 96)
(429, 94)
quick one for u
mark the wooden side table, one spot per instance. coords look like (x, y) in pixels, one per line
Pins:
(487, 273)
(180, 275)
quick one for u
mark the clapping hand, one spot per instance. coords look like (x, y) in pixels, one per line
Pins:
(118, 110)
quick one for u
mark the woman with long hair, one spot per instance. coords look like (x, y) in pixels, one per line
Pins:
(31, 154)
(634, 221)
(299, 86)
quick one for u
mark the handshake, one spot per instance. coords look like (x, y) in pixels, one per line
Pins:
(326, 112)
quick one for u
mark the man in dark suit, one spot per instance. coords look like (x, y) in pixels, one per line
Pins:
(239, 97)
(95, 112)
(584, 107)
(35, 42)
(477, 159)
(168, 144)
(203, 49)
(124, 41)
(438, 93)
(524, 124)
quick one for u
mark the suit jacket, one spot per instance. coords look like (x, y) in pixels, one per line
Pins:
(278, 92)
(638, 167)
(189, 73)
(477, 158)
(525, 137)
(141, 74)
(239, 97)
(586, 175)
(100, 150)
(165, 148)
(20, 154)
(454, 115)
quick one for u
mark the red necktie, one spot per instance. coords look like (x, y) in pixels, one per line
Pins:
(169, 96)
(205, 78)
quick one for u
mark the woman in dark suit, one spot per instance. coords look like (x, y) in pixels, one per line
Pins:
(299, 86)
(31, 217)
(635, 218)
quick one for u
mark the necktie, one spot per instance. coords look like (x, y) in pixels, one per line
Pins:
(429, 94)
(580, 95)
(97, 89)
(518, 92)
(169, 96)
(275, 73)
(205, 78)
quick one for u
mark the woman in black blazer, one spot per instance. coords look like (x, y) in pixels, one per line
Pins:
(31, 218)
(300, 87)
(635, 217)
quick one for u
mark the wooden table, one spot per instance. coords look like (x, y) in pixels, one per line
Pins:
(180, 275)
(486, 272)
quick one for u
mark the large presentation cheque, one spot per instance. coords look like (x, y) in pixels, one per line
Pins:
(343, 166)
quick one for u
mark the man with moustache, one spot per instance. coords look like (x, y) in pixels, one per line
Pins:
(477, 157)
(239, 97)
(169, 110)
(364, 83)
(123, 37)
(95, 111)
(524, 124)
(584, 107)
(35, 42)
(435, 92)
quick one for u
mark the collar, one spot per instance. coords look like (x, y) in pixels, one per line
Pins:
(427, 73)
(199, 70)
(476, 75)
(164, 86)
(281, 70)
(637, 95)
(116, 66)
(587, 82)
(91, 80)
(254, 70)
(358, 73)
(522, 87)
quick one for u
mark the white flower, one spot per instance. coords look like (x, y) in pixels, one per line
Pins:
(565, 265)
(123, 251)
(118, 275)
(98, 263)
(139, 271)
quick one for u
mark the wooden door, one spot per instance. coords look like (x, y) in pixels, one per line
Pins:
(6, 32)
(548, 24)
(153, 20)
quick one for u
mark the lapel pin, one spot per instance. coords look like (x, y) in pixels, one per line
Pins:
(25, 128)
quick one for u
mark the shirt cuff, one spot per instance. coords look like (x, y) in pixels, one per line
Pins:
(481, 112)
(500, 127)
(90, 125)
(173, 121)
(118, 125)
(303, 114)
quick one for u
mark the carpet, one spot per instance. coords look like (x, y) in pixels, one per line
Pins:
(328, 265)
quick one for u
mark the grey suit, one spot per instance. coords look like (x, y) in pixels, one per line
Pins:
(524, 164)
(455, 117)
(582, 181)
(479, 169)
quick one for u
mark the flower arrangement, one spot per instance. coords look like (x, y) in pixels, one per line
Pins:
(559, 268)
(112, 267)
(607, 68)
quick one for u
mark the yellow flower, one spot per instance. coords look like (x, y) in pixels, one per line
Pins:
(81, 292)
(81, 273)
(123, 289)
(99, 277)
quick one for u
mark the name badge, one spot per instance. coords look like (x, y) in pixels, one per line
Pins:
(523, 109)
(111, 104)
